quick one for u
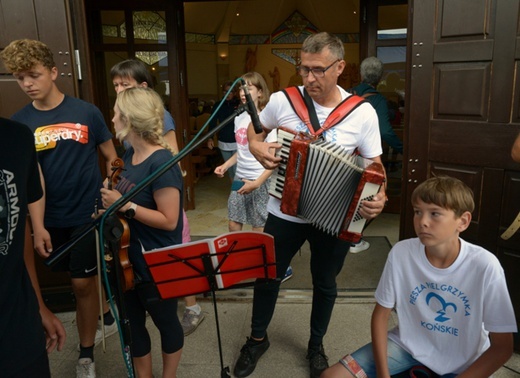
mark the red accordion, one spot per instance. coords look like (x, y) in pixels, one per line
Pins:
(321, 182)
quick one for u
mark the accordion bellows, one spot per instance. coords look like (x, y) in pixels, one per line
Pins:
(321, 182)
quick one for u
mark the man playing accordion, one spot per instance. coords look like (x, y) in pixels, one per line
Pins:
(321, 64)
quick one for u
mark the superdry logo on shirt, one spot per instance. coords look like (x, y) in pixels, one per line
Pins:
(46, 137)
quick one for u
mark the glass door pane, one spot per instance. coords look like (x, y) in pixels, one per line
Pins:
(149, 27)
(113, 28)
(392, 21)
(391, 50)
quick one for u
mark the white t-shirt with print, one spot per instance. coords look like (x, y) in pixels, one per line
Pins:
(247, 166)
(359, 130)
(445, 314)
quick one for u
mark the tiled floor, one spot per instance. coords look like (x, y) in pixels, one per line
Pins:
(288, 332)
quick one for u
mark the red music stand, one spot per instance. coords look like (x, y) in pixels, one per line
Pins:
(231, 260)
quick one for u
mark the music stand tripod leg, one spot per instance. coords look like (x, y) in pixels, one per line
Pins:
(210, 275)
(112, 235)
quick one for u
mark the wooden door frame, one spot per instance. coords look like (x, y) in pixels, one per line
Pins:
(418, 80)
(83, 67)
(178, 103)
(368, 45)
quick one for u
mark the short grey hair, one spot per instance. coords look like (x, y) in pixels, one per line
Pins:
(315, 43)
(371, 70)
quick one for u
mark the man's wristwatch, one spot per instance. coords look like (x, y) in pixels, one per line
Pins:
(130, 213)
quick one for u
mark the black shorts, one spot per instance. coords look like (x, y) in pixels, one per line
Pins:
(81, 260)
(38, 369)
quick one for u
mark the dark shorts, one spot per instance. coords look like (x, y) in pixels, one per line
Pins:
(38, 369)
(81, 260)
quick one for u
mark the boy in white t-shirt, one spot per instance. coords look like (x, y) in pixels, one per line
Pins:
(455, 313)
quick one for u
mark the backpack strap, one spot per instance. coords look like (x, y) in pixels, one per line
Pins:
(364, 95)
(341, 111)
(304, 107)
(312, 111)
(368, 94)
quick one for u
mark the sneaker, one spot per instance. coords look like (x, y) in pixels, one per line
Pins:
(85, 368)
(363, 245)
(109, 331)
(317, 361)
(288, 274)
(249, 356)
(190, 321)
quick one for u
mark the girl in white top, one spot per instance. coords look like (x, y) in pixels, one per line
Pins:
(247, 203)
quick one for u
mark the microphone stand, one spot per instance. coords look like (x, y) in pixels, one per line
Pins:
(110, 214)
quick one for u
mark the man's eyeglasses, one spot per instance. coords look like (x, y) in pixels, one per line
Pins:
(317, 72)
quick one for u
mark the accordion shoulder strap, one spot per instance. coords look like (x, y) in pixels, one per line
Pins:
(304, 108)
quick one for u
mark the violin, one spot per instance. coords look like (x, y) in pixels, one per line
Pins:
(126, 269)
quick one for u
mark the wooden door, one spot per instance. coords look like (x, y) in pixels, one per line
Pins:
(47, 21)
(463, 114)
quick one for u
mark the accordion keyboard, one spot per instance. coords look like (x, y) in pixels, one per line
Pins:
(277, 180)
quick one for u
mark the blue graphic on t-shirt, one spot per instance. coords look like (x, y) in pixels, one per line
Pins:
(301, 127)
(445, 305)
(444, 300)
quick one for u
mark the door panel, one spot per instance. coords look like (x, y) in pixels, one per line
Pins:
(461, 80)
(463, 104)
(451, 25)
(473, 143)
(472, 176)
(12, 98)
(21, 21)
(470, 51)
(44, 20)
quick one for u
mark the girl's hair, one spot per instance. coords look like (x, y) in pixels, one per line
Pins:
(132, 68)
(254, 78)
(142, 111)
(24, 54)
(315, 43)
(447, 192)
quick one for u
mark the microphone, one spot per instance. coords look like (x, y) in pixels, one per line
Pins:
(251, 109)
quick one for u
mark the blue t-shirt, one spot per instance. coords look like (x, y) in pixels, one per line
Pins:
(169, 123)
(227, 133)
(141, 235)
(379, 103)
(66, 140)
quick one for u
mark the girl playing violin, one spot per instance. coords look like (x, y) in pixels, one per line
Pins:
(155, 220)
